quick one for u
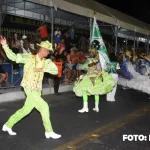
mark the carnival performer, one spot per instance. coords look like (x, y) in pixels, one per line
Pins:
(144, 65)
(114, 70)
(147, 65)
(34, 68)
(95, 82)
(136, 81)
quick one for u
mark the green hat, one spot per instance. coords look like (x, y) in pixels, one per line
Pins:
(46, 44)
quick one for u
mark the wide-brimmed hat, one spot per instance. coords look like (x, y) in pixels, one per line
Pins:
(46, 44)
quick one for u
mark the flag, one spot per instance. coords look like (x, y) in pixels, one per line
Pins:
(98, 43)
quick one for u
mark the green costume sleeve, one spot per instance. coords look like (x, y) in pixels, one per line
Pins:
(19, 58)
(50, 67)
(12, 56)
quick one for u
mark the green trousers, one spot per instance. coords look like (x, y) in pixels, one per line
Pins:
(33, 100)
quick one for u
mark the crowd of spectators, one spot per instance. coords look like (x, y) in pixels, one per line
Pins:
(66, 50)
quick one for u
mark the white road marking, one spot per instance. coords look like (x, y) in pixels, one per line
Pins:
(2, 109)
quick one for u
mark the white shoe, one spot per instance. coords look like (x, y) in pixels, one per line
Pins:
(83, 110)
(52, 135)
(113, 99)
(96, 109)
(107, 97)
(9, 130)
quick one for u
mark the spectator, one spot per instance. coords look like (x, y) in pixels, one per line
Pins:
(16, 48)
(16, 44)
(73, 63)
(63, 58)
(61, 46)
(43, 32)
(57, 78)
(3, 74)
(57, 36)
(27, 47)
(67, 42)
(24, 37)
(81, 60)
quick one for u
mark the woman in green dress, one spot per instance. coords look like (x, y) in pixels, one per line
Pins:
(94, 82)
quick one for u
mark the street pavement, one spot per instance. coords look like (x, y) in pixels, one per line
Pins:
(128, 115)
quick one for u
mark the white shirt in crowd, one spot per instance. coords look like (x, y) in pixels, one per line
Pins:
(26, 51)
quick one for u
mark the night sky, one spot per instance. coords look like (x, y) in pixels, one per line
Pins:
(139, 10)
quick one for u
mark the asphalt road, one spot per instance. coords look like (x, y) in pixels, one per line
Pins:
(128, 115)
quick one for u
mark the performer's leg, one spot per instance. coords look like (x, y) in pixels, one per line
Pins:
(85, 103)
(96, 103)
(115, 76)
(108, 96)
(111, 95)
(18, 115)
(43, 108)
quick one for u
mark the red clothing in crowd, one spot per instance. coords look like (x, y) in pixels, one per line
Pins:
(43, 32)
(59, 66)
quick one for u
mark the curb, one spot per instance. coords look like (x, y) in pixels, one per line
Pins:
(20, 95)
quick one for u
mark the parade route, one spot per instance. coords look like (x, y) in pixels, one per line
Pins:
(88, 131)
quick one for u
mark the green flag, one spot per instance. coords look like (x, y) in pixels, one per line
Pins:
(98, 43)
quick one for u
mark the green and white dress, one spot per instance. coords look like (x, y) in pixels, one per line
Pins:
(94, 82)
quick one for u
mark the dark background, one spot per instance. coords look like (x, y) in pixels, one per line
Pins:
(136, 8)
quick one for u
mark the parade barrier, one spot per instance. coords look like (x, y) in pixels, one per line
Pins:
(15, 92)
(9, 33)
(18, 94)
(14, 79)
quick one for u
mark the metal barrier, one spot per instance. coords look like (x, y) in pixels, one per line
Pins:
(13, 84)
(10, 84)
(9, 33)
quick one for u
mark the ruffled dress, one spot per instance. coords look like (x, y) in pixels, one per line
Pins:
(137, 81)
(94, 82)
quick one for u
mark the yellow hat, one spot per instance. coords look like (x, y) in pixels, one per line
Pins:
(46, 44)
(128, 53)
(135, 57)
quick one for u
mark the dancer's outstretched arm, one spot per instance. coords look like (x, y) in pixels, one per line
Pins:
(12, 56)
(19, 58)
